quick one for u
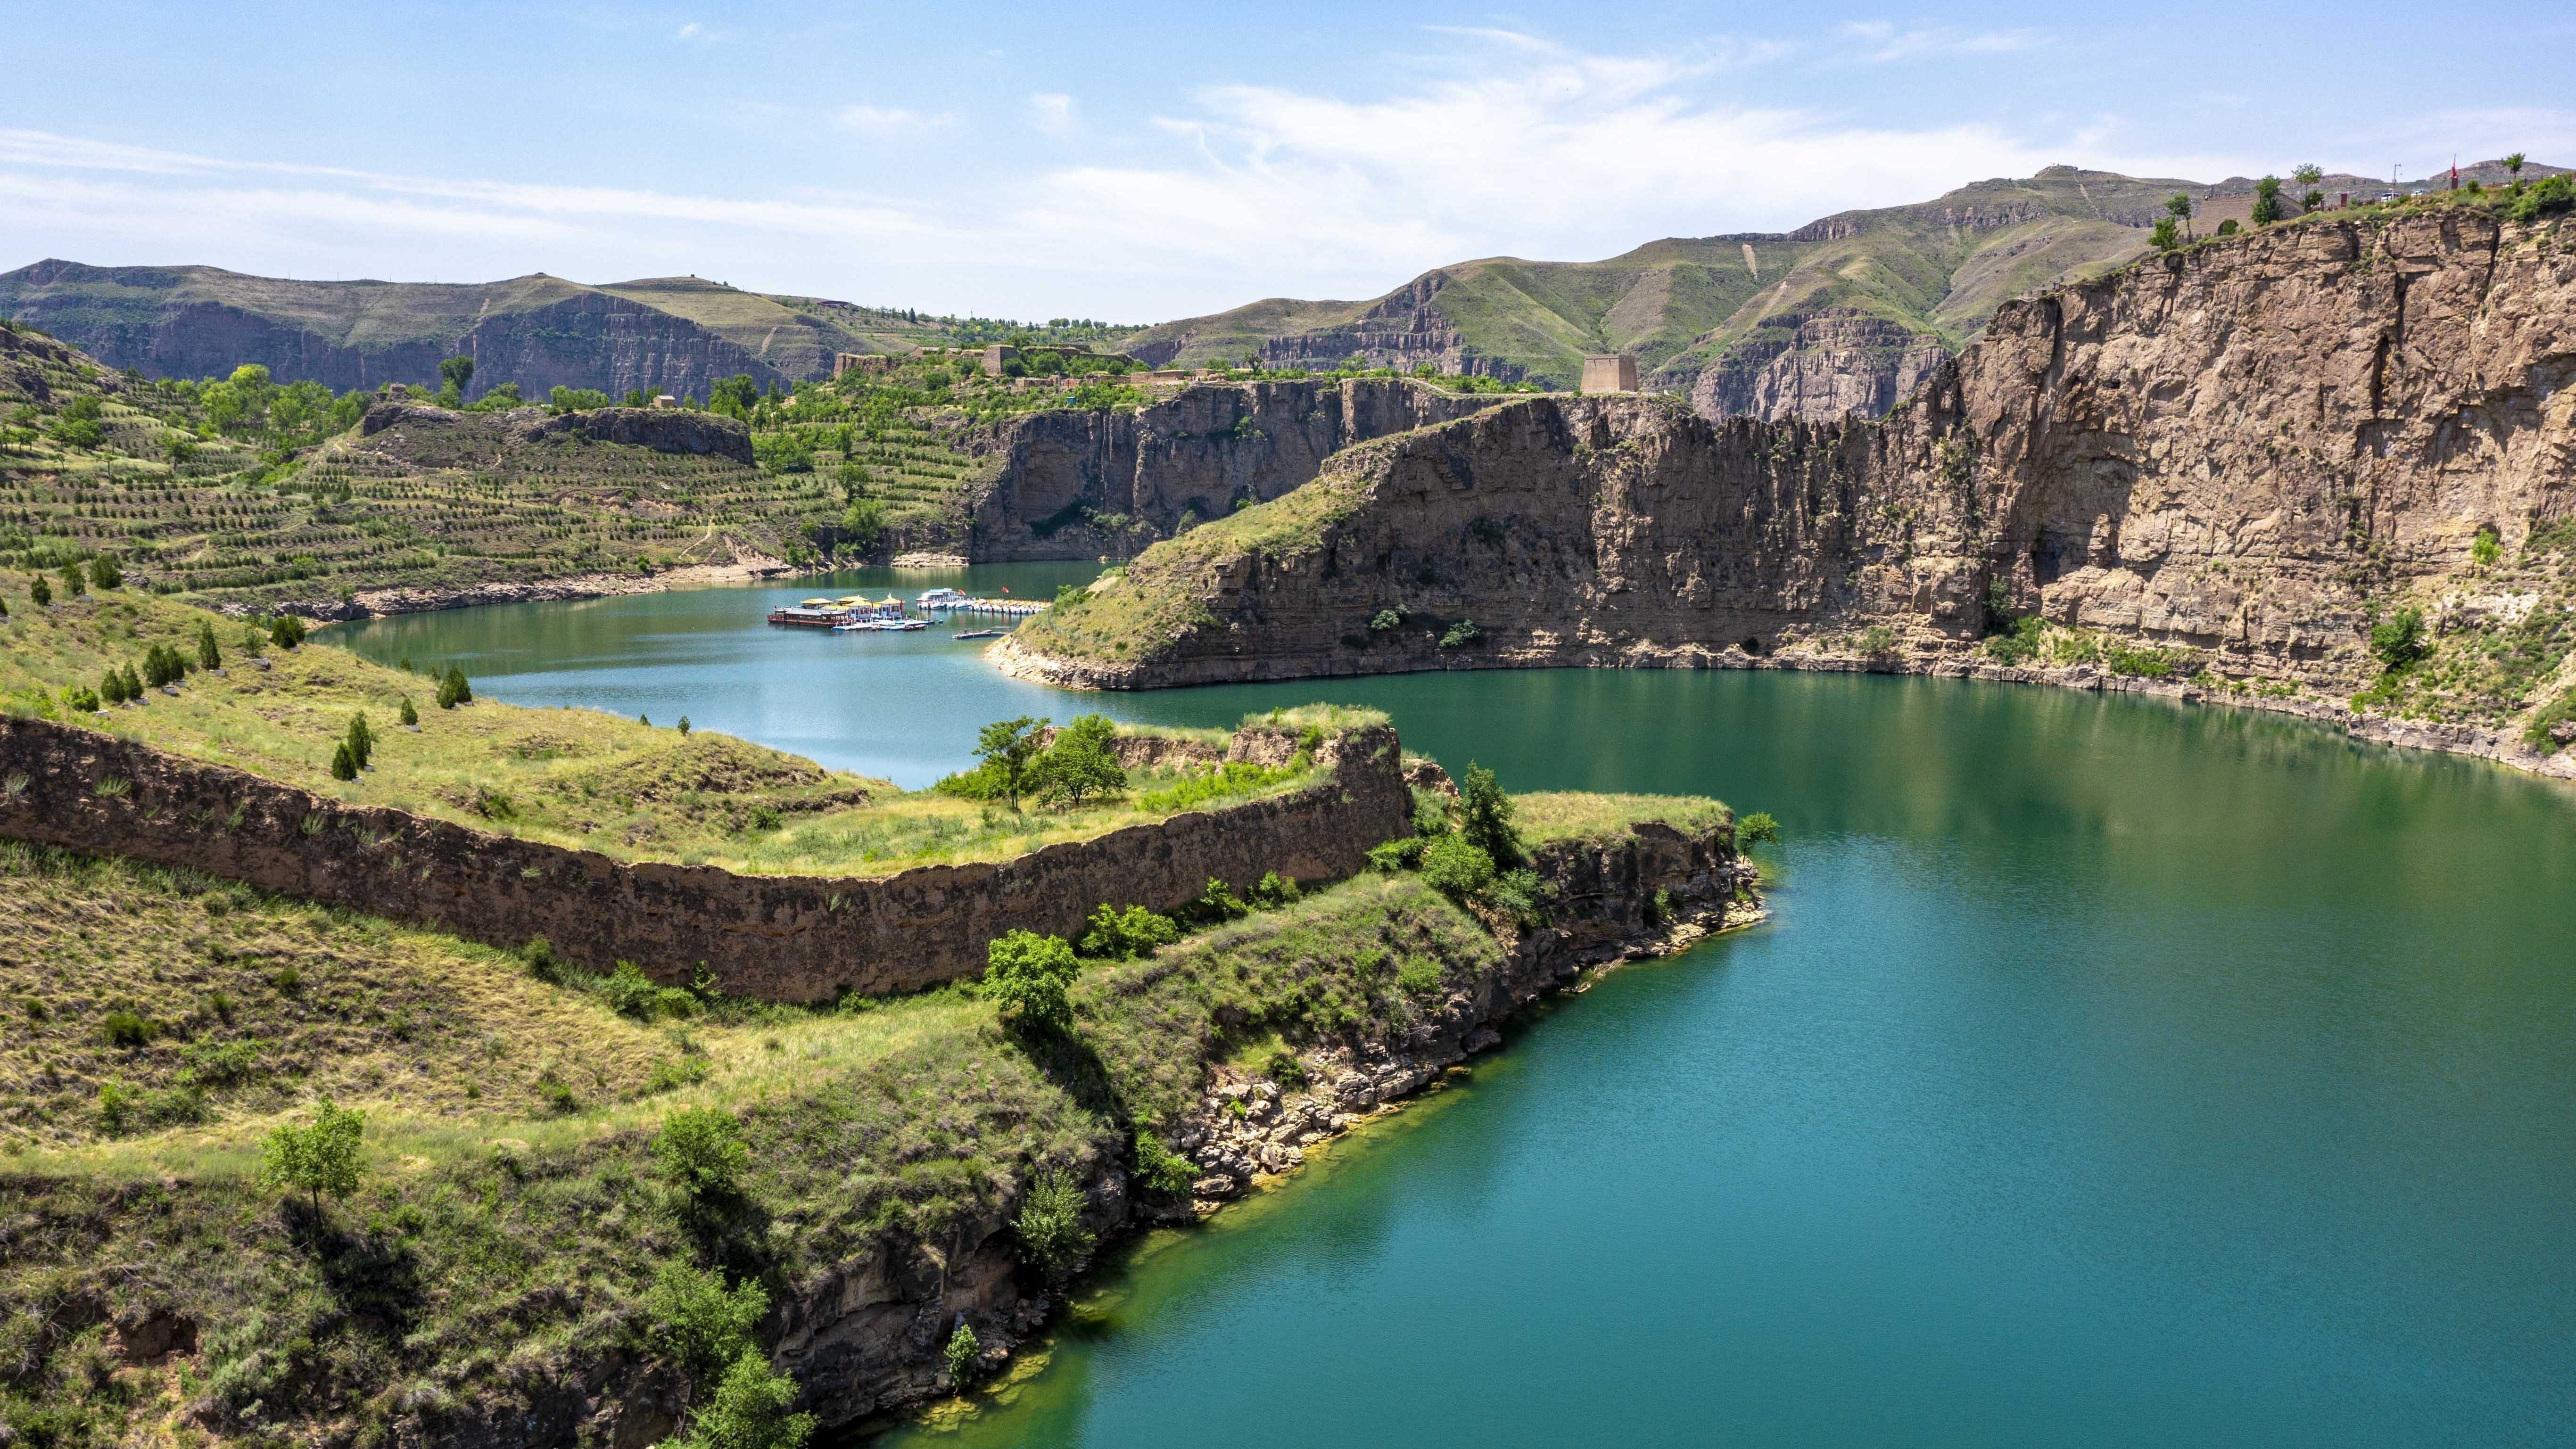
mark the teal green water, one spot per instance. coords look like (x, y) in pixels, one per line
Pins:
(2112, 1073)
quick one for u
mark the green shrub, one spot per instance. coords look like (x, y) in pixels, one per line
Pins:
(542, 962)
(1217, 903)
(224, 1063)
(671, 1073)
(1027, 974)
(126, 1029)
(322, 1157)
(1418, 976)
(701, 1152)
(1384, 620)
(1456, 868)
(2119, 658)
(1160, 1169)
(408, 714)
(362, 740)
(2486, 548)
(1877, 641)
(209, 655)
(1522, 895)
(453, 688)
(1234, 777)
(104, 574)
(81, 700)
(1485, 816)
(749, 1411)
(286, 631)
(40, 592)
(1391, 856)
(629, 992)
(2018, 644)
(1115, 935)
(1049, 1224)
(1756, 828)
(961, 1352)
(1271, 892)
(343, 765)
(698, 1323)
(1284, 1068)
(2399, 641)
(1460, 634)
(558, 1095)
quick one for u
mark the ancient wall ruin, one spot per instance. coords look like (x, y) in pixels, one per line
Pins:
(780, 938)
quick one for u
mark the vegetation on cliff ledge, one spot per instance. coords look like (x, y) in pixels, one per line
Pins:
(570, 777)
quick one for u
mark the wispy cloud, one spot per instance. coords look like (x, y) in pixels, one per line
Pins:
(690, 31)
(1051, 112)
(1878, 42)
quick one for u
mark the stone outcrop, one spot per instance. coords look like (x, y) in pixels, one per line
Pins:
(1817, 368)
(778, 938)
(435, 436)
(1071, 485)
(2243, 448)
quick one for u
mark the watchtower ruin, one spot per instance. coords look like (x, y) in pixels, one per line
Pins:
(1611, 372)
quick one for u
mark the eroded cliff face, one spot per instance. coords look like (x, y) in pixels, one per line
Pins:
(1819, 368)
(2246, 449)
(1071, 485)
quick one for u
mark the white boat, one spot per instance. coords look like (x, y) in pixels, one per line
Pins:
(942, 598)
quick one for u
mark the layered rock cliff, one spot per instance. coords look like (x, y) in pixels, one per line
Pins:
(1069, 485)
(2248, 451)
(1817, 368)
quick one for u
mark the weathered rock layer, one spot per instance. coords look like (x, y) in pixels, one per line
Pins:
(2247, 448)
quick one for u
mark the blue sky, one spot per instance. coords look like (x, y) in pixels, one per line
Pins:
(1142, 161)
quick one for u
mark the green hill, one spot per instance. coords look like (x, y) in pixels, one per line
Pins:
(1690, 305)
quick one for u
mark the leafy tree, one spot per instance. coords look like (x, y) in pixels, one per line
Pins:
(863, 524)
(361, 740)
(133, 686)
(1049, 1225)
(41, 592)
(562, 399)
(75, 580)
(455, 373)
(344, 766)
(749, 1411)
(286, 631)
(1756, 828)
(2513, 164)
(1027, 974)
(1485, 816)
(319, 1158)
(734, 396)
(701, 1324)
(960, 1353)
(1082, 763)
(208, 655)
(701, 1151)
(2399, 641)
(410, 716)
(2308, 173)
(2267, 201)
(2178, 208)
(1455, 867)
(1009, 750)
(2166, 236)
(453, 689)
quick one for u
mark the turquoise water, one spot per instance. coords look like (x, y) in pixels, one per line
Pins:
(2113, 1073)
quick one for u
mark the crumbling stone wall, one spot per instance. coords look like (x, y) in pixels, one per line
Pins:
(779, 938)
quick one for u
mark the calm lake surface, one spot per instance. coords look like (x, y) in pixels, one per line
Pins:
(2112, 1072)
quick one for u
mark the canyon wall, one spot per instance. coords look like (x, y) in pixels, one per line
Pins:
(2248, 448)
(1817, 367)
(1078, 485)
(778, 938)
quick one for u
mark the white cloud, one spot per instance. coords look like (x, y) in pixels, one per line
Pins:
(689, 31)
(1877, 42)
(1051, 112)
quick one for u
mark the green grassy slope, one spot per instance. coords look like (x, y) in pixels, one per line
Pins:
(1682, 304)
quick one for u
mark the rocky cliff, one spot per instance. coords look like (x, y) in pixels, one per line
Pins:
(1817, 368)
(2245, 452)
(1069, 485)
